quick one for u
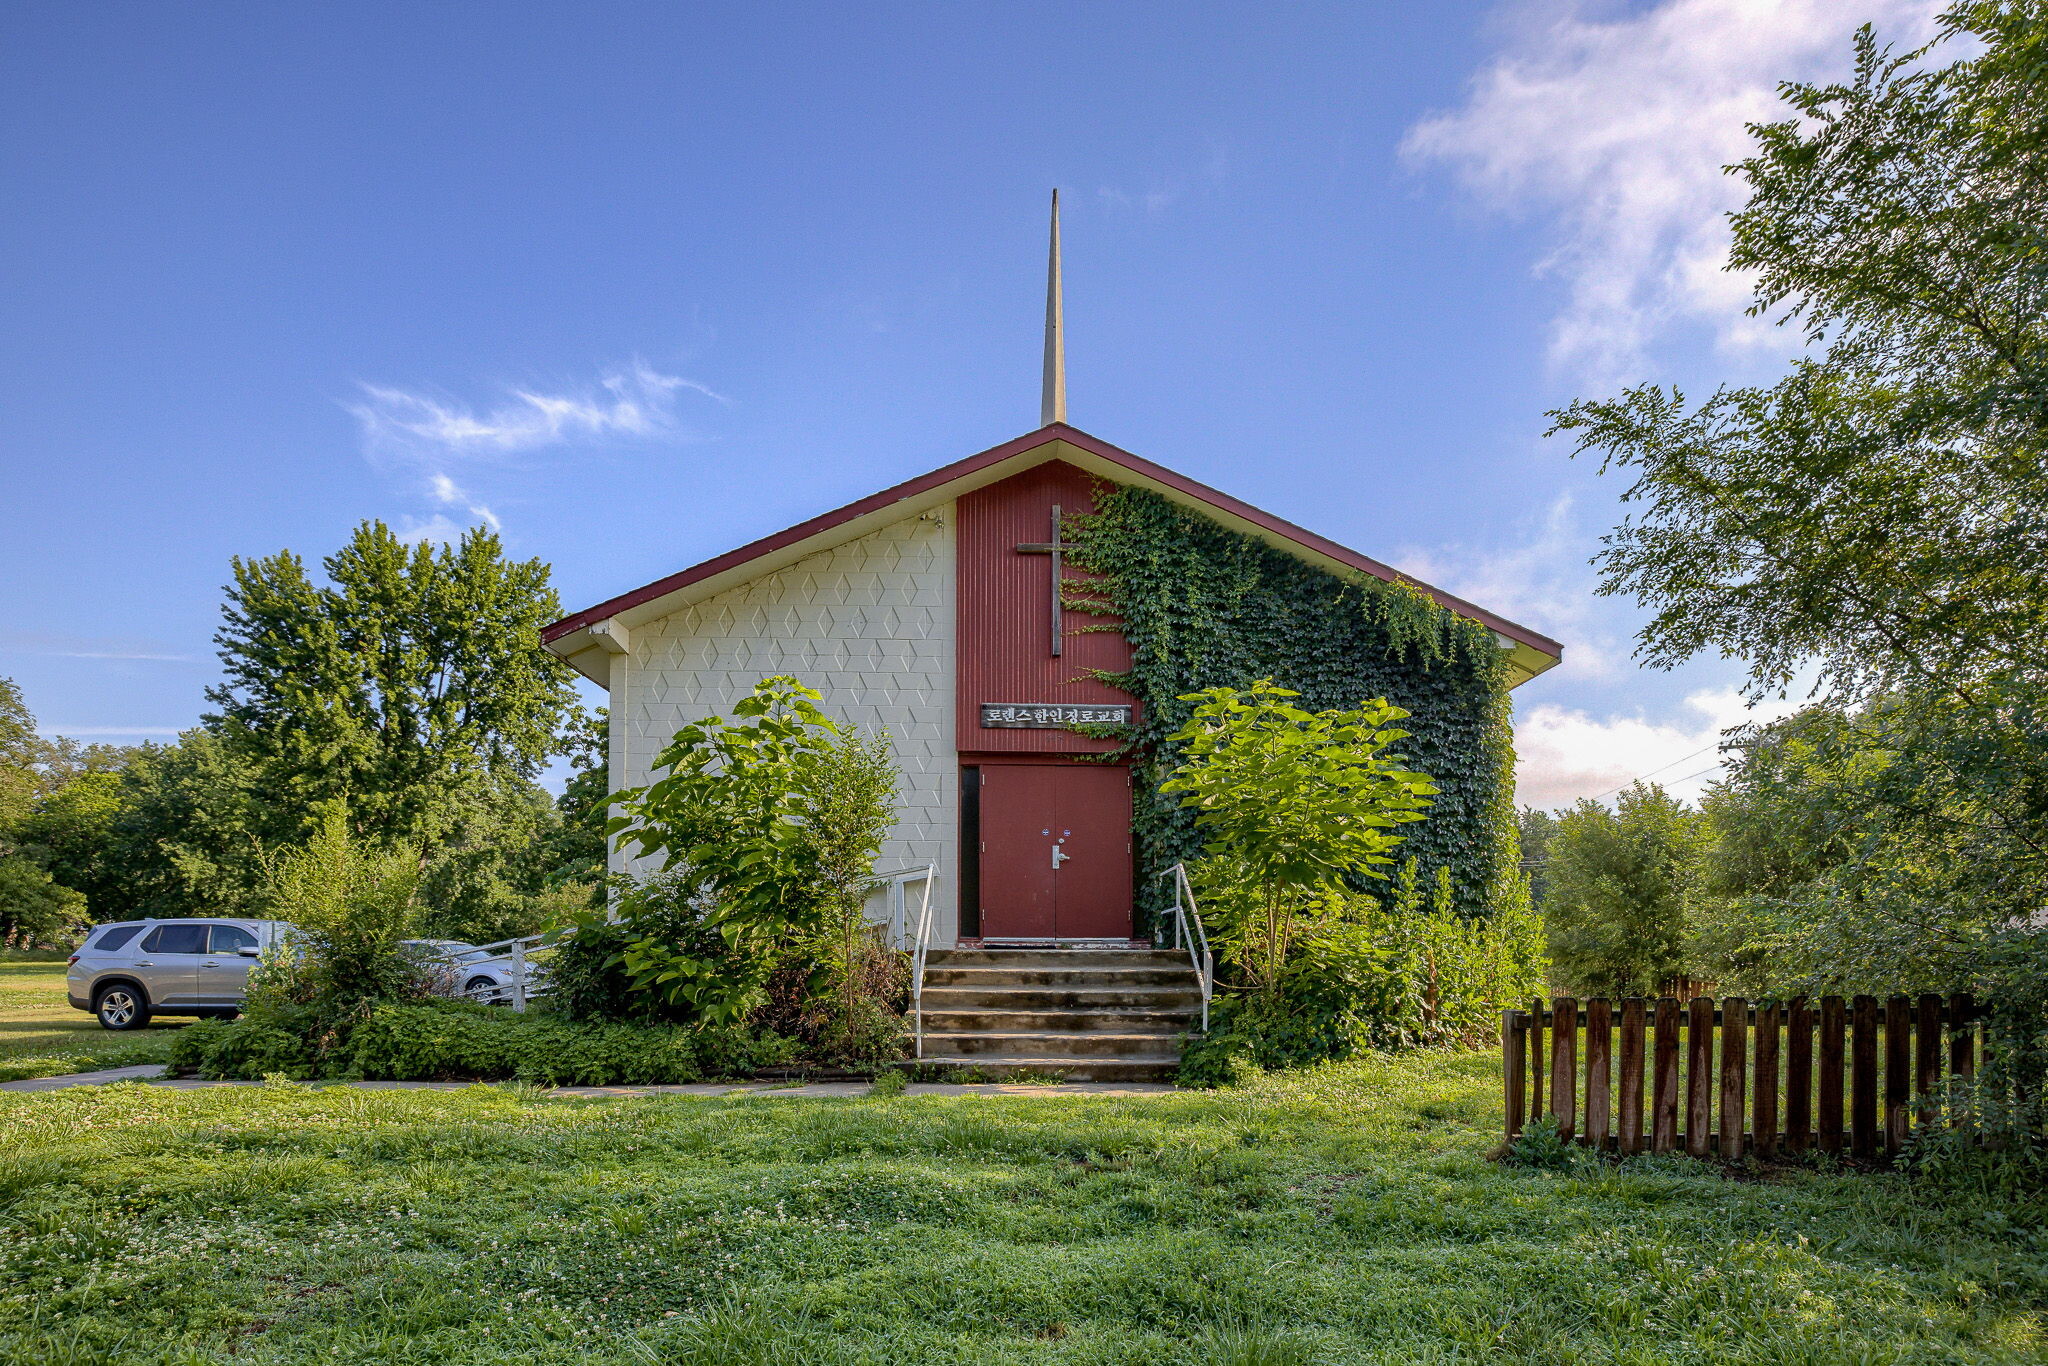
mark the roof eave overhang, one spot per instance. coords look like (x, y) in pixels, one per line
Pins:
(588, 639)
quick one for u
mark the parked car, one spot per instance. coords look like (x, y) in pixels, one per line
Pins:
(132, 970)
(482, 974)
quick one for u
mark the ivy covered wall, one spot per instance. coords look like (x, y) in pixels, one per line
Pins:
(1203, 605)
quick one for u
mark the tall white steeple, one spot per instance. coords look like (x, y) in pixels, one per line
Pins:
(1052, 405)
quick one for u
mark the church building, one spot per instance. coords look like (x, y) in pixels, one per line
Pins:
(933, 610)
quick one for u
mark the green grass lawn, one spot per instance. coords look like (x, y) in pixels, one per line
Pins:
(42, 1036)
(1346, 1215)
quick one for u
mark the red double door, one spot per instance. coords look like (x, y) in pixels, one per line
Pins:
(1055, 851)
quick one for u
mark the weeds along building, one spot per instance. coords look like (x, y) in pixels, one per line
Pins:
(1021, 622)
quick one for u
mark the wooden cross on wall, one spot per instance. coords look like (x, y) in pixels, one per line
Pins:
(1054, 548)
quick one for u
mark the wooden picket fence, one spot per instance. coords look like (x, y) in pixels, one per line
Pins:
(1762, 1079)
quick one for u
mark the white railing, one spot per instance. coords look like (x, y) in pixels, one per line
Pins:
(525, 981)
(1185, 928)
(917, 936)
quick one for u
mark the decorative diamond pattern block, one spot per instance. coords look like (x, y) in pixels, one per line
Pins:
(870, 625)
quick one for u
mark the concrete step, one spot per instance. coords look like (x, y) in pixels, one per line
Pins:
(1078, 1014)
(1083, 999)
(1047, 1044)
(943, 975)
(1161, 1067)
(1057, 1021)
(1058, 958)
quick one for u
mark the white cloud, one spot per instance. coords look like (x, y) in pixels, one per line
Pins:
(93, 647)
(1614, 127)
(1162, 192)
(636, 401)
(439, 528)
(1563, 754)
(412, 429)
(1154, 200)
(447, 493)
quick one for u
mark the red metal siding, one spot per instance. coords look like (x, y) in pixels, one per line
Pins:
(1005, 602)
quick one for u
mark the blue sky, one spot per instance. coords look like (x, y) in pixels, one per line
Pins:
(639, 282)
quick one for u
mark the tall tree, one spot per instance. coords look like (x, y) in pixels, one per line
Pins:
(575, 850)
(1799, 836)
(1883, 509)
(1881, 512)
(1534, 829)
(411, 671)
(68, 834)
(19, 750)
(34, 907)
(1623, 885)
(192, 832)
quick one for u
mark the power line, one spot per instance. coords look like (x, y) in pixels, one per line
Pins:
(1701, 774)
(1661, 767)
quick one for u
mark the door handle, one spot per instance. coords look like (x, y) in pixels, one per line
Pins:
(1059, 856)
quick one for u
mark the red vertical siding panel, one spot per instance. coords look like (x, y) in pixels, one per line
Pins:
(1004, 639)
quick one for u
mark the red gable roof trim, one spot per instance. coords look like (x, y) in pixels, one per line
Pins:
(980, 463)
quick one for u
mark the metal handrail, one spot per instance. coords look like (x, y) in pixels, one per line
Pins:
(1186, 913)
(920, 943)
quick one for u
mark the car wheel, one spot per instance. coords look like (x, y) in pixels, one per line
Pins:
(483, 989)
(121, 1007)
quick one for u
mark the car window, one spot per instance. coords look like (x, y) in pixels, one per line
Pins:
(110, 940)
(232, 939)
(176, 939)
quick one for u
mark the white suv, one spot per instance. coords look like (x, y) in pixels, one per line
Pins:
(126, 972)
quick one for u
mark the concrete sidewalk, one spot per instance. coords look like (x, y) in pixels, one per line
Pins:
(143, 1073)
(153, 1074)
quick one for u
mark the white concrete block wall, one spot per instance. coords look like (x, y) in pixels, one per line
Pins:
(869, 625)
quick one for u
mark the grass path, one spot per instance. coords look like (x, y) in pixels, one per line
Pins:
(41, 1035)
(1347, 1215)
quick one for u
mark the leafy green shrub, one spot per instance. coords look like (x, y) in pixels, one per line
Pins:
(846, 1011)
(1369, 975)
(587, 977)
(849, 806)
(1994, 1143)
(460, 1041)
(768, 825)
(1293, 806)
(1298, 810)
(1223, 1057)
(735, 1051)
(1542, 1145)
(352, 904)
(1465, 969)
(447, 1041)
(434, 1043)
(245, 1049)
(191, 1045)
